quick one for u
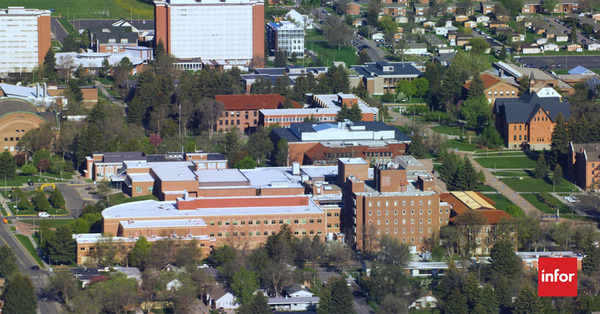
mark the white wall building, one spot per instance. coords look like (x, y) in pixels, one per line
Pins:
(286, 36)
(24, 39)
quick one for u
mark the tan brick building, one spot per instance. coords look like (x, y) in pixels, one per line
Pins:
(584, 165)
(19, 116)
(495, 87)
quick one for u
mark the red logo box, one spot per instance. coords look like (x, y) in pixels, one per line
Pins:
(557, 277)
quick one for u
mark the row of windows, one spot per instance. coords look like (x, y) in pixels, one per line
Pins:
(264, 233)
(299, 119)
(412, 212)
(378, 154)
(412, 221)
(501, 93)
(265, 222)
(540, 119)
(6, 139)
(237, 113)
(404, 231)
(139, 188)
(412, 203)
(336, 214)
(524, 137)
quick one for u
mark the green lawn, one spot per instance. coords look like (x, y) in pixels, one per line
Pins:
(29, 247)
(484, 188)
(404, 129)
(501, 201)
(537, 185)
(506, 162)
(511, 173)
(564, 210)
(462, 146)
(68, 27)
(89, 9)
(446, 129)
(120, 198)
(327, 55)
(52, 223)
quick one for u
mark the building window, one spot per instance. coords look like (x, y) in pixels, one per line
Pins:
(138, 189)
(150, 189)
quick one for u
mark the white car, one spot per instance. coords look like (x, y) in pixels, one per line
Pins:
(43, 215)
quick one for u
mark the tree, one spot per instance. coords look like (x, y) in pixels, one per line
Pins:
(527, 300)
(287, 103)
(62, 246)
(476, 112)
(353, 113)
(41, 202)
(336, 298)
(476, 87)
(488, 299)
(392, 252)
(211, 110)
(467, 178)
(243, 284)
(573, 34)
(514, 6)
(591, 261)
(479, 45)
(281, 156)
(523, 85)
(114, 294)
(560, 140)
(20, 296)
(8, 262)
(64, 286)
(73, 91)
(491, 138)
(373, 12)
(363, 57)
(280, 59)
(502, 55)
(557, 175)
(28, 170)
(261, 86)
(336, 33)
(416, 146)
(230, 146)
(456, 302)
(7, 165)
(259, 304)
(139, 252)
(407, 88)
(245, 163)
(503, 259)
(421, 85)
(50, 65)
(259, 144)
(57, 200)
(541, 170)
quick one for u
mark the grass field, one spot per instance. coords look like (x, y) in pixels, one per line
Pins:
(501, 201)
(462, 146)
(328, 55)
(29, 247)
(504, 162)
(120, 198)
(511, 173)
(564, 210)
(89, 9)
(446, 129)
(537, 185)
(52, 223)
(484, 188)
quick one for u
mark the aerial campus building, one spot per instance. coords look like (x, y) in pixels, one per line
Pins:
(224, 32)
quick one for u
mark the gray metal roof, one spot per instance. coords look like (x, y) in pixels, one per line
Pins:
(379, 68)
(16, 105)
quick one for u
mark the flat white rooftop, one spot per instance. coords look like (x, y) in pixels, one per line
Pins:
(96, 237)
(220, 176)
(141, 177)
(171, 223)
(174, 170)
(353, 161)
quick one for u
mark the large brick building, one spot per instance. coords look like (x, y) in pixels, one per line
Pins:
(495, 87)
(241, 111)
(324, 143)
(529, 120)
(382, 77)
(19, 116)
(583, 165)
(403, 204)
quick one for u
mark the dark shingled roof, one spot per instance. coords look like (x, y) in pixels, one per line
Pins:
(116, 33)
(16, 105)
(523, 109)
(372, 69)
(122, 156)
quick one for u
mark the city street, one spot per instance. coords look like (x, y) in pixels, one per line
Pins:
(563, 62)
(375, 53)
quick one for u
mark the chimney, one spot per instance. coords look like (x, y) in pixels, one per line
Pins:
(185, 195)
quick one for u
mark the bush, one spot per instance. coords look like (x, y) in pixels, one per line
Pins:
(418, 110)
(435, 116)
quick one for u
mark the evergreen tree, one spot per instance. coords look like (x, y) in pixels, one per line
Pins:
(259, 304)
(467, 178)
(261, 86)
(8, 262)
(73, 91)
(488, 299)
(338, 80)
(557, 175)
(476, 88)
(503, 259)
(363, 57)
(490, 137)
(230, 146)
(591, 261)
(50, 66)
(336, 298)
(281, 86)
(456, 302)
(41, 202)
(541, 170)
(160, 50)
(503, 293)
(523, 85)
(57, 200)
(502, 55)
(470, 289)
(573, 35)
(355, 114)
(527, 301)
(139, 252)
(450, 165)
(105, 68)
(416, 146)
(7, 165)
(560, 140)
(280, 59)
(281, 157)
(20, 296)
(287, 103)
(62, 247)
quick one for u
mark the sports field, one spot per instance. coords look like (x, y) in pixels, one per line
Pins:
(88, 9)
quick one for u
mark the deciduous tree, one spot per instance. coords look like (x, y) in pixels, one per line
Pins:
(20, 296)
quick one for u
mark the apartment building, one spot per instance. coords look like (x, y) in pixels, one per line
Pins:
(229, 32)
(241, 111)
(394, 201)
(286, 36)
(583, 165)
(24, 39)
(324, 143)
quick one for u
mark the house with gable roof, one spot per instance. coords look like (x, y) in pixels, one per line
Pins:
(495, 87)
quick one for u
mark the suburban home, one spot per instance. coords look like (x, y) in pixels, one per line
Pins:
(541, 41)
(352, 8)
(219, 297)
(497, 24)
(573, 47)
(461, 18)
(488, 7)
(482, 18)
(551, 47)
(517, 37)
(592, 46)
(470, 24)
(561, 38)
(448, 8)
(527, 48)
(444, 50)
(531, 6)
(596, 17)
(421, 9)
(295, 298)
(495, 87)
(462, 40)
(359, 22)
(418, 30)
(426, 302)
(520, 18)
(415, 48)
(402, 19)
(550, 35)
(429, 24)
(393, 9)
(530, 120)
(444, 59)
(583, 166)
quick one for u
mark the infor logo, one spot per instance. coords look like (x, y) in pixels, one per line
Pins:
(557, 277)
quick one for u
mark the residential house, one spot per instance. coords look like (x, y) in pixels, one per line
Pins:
(488, 7)
(462, 40)
(359, 22)
(541, 41)
(470, 24)
(495, 87)
(444, 59)
(573, 47)
(517, 37)
(394, 9)
(592, 46)
(551, 47)
(496, 24)
(241, 111)
(529, 120)
(469, 202)
(461, 18)
(420, 9)
(85, 275)
(382, 77)
(445, 50)
(482, 18)
(561, 38)
(528, 48)
(550, 35)
(418, 31)
(596, 17)
(448, 8)
(429, 24)
(295, 298)
(219, 297)
(415, 48)
(352, 8)
(531, 6)
(583, 166)
(424, 303)
(531, 259)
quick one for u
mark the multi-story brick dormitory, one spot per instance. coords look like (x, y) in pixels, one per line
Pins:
(583, 166)
(402, 203)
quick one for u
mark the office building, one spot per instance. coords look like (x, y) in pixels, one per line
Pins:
(230, 32)
(24, 39)
(285, 36)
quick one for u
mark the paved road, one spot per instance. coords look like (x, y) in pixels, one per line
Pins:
(38, 277)
(561, 29)
(109, 96)
(376, 53)
(563, 62)
(58, 31)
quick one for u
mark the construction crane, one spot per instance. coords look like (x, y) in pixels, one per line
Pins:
(41, 187)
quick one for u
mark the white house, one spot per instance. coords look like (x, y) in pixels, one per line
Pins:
(301, 20)
(482, 18)
(377, 36)
(440, 31)
(593, 47)
(426, 302)
(530, 49)
(541, 41)
(418, 30)
(415, 48)
(221, 298)
(295, 298)
(561, 38)
(402, 19)
(551, 47)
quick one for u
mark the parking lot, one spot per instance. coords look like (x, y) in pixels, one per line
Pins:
(563, 62)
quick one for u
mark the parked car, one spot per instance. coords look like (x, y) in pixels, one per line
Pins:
(35, 267)
(43, 215)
